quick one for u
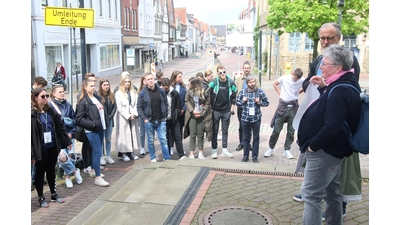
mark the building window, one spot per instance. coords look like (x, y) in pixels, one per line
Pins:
(294, 41)
(90, 3)
(350, 41)
(308, 44)
(134, 27)
(116, 9)
(101, 8)
(109, 56)
(53, 55)
(64, 3)
(109, 9)
(125, 18)
(44, 2)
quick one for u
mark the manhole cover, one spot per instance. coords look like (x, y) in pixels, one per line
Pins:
(236, 215)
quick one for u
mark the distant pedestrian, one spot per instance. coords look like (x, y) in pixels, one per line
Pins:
(152, 108)
(48, 137)
(250, 100)
(60, 71)
(290, 88)
(124, 73)
(198, 118)
(127, 123)
(223, 98)
(159, 76)
(110, 108)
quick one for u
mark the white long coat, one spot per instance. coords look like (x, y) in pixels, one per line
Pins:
(127, 139)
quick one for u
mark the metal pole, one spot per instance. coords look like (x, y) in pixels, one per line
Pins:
(76, 62)
(259, 55)
(270, 56)
(341, 5)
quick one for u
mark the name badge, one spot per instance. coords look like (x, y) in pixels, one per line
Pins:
(251, 111)
(47, 137)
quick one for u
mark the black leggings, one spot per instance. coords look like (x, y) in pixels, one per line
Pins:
(46, 165)
(86, 153)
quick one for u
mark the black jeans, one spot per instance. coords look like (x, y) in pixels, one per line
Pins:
(46, 165)
(174, 136)
(225, 118)
(86, 153)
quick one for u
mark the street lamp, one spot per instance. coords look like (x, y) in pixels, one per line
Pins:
(340, 5)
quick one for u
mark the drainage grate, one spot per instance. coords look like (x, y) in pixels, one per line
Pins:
(258, 172)
(183, 204)
(236, 215)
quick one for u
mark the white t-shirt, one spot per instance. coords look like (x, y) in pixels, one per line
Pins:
(290, 88)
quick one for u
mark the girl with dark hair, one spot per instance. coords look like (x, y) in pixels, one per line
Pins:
(178, 84)
(48, 137)
(90, 116)
(110, 107)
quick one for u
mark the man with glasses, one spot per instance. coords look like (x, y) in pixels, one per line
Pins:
(329, 33)
(223, 99)
(241, 84)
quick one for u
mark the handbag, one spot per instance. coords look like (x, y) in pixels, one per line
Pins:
(80, 134)
(68, 121)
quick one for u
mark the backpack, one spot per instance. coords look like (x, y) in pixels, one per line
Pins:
(359, 141)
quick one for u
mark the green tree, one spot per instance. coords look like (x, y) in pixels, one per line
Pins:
(306, 16)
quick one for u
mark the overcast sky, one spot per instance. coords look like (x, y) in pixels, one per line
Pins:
(213, 12)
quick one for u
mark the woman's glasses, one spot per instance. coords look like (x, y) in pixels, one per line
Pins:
(45, 96)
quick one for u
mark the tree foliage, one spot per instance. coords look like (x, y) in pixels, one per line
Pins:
(306, 16)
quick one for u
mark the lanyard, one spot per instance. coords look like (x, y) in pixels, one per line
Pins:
(44, 118)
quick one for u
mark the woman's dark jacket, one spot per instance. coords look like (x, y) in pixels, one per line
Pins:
(88, 116)
(321, 126)
(67, 111)
(176, 105)
(109, 109)
(61, 137)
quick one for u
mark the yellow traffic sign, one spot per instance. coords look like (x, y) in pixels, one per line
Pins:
(72, 17)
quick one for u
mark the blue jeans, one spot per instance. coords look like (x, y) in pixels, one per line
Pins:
(107, 135)
(69, 165)
(247, 129)
(142, 133)
(161, 129)
(96, 141)
(322, 181)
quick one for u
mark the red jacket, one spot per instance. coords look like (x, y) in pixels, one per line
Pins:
(62, 72)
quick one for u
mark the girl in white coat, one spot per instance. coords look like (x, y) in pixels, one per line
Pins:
(127, 122)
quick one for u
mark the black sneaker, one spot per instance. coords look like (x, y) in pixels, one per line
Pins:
(298, 198)
(42, 202)
(239, 147)
(56, 198)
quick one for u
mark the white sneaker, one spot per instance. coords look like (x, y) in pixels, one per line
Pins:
(214, 154)
(68, 183)
(269, 152)
(201, 156)
(227, 153)
(142, 151)
(101, 182)
(78, 176)
(87, 170)
(191, 156)
(288, 154)
(172, 151)
(153, 160)
(125, 158)
(135, 157)
(110, 160)
(93, 174)
(101, 167)
(102, 161)
(182, 158)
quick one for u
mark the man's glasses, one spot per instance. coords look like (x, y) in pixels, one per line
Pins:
(222, 72)
(326, 38)
(45, 96)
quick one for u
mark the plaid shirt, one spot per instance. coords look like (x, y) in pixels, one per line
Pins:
(250, 103)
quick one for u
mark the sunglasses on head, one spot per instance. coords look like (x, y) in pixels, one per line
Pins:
(45, 96)
(222, 72)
